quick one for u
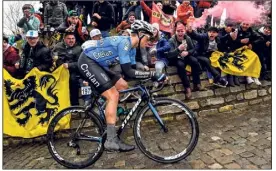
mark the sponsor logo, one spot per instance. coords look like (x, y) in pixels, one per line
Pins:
(89, 75)
(102, 54)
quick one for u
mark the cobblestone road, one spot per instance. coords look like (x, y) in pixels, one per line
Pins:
(240, 139)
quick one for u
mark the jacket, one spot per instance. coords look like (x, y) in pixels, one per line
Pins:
(55, 15)
(68, 55)
(32, 24)
(106, 11)
(203, 42)
(10, 58)
(174, 43)
(181, 12)
(40, 58)
(254, 37)
(162, 47)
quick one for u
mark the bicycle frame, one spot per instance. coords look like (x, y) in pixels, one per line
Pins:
(146, 97)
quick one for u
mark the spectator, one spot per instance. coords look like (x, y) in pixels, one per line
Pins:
(35, 54)
(182, 54)
(246, 36)
(157, 47)
(11, 57)
(37, 14)
(169, 7)
(95, 34)
(55, 13)
(184, 11)
(126, 23)
(103, 17)
(206, 44)
(148, 9)
(28, 21)
(68, 53)
(73, 24)
(264, 50)
(227, 36)
(202, 5)
(134, 7)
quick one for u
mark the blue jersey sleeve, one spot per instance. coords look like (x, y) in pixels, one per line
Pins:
(124, 51)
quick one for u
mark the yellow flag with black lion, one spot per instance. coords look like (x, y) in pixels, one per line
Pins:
(241, 62)
(31, 103)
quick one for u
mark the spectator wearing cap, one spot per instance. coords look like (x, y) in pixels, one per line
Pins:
(95, 34)
(126, 23)
(28, 21)
(55, 13)
(207, 43)
(35, 54)
(73, 24)
(68, 52)
(103, 17)
(10, 57)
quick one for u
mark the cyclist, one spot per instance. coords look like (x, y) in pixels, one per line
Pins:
(94, 63)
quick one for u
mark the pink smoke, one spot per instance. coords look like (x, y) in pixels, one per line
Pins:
(238, 11)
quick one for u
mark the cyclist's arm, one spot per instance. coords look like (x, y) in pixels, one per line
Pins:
(124, 49)
(133, 73)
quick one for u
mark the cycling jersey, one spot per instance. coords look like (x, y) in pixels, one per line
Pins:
(110, 51)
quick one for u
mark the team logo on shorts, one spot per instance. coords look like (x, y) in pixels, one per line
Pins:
(104, 76)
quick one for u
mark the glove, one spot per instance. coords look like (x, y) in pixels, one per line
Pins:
(158, 77)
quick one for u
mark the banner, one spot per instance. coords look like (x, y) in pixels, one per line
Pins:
(241, 62)
(165, 21)
(30, 103)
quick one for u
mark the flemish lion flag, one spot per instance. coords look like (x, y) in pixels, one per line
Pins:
(165, 21)
(30, 103)
(241, 62)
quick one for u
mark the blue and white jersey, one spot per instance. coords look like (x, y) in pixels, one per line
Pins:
(110, 50)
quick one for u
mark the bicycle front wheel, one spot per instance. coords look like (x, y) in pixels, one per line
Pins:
(173, 142)
(78, 145)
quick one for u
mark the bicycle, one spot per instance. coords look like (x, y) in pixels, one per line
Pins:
(154, 116)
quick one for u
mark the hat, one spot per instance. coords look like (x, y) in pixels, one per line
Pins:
(131, 13)
(213, 29)
(156, 26)
(72, 13)
(32, 33)
(95, 32)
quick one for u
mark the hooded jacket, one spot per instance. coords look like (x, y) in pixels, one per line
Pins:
(54, 15)
(10, 58)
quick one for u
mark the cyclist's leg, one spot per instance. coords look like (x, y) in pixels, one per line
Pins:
(102, 83)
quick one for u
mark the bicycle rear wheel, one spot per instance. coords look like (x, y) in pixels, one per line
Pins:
(81, 144)
(175, 142)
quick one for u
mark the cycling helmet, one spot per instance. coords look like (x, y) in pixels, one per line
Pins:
(142, 26)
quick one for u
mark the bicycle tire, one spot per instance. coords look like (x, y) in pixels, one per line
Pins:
(53, 136)
(150, 152)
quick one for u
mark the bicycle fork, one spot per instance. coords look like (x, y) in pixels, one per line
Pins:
(163, 126)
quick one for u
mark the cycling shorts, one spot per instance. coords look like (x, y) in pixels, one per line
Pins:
(101, 79)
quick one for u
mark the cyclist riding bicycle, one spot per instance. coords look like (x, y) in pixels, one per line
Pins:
(94, 63)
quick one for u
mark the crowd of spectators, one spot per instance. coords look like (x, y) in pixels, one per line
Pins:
(185, 47)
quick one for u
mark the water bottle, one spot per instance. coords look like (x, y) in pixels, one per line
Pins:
(120, 111)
